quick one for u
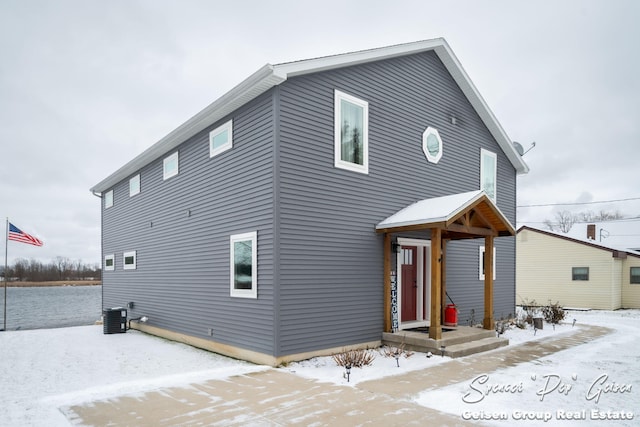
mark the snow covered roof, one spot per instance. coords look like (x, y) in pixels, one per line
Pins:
(446, 211)
(272, 75)
(582, 239)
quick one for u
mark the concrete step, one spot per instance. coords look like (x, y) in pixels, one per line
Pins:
(457, 343)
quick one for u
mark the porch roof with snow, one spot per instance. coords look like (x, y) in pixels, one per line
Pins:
(460, 216)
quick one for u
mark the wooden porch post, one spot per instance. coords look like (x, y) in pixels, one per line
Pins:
(488, 283)
(387, 282)
(435, 326)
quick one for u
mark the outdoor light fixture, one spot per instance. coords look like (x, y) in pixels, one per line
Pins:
(130, 305)
(348, 368)
(574, 323)
(397, 356)
(429, 354)
(453, 119)
(395, 247)
(442, 347)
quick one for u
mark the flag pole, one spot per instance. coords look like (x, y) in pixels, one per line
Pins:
(6, 255)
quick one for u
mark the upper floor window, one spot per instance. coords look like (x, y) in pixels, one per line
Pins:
(221, 139)
(432, 145)
(170, 166)
(108, 199)
(488, 173)
(580, 273)
(351, 149)
(634, 275)
(244, 265)
(134, 185)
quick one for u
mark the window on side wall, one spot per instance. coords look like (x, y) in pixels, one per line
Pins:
(244, 265)
(129, 260)
(432, 145)
(351, 150)
(108, 199)
(489, 173)
(134, 185)
(170, 166)
(580, 273)
(481, 263)
(109, 262)
(634, 275)
(221, 139)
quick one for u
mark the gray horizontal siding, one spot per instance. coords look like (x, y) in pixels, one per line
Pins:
(182, 276)
(331, 258)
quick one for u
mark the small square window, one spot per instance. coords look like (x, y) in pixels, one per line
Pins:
(432, 145)
(244, 265)
(481, 263)
(170, 166)
(634, 275)
(109, 262)
(580, 273)
(351, 127)
(108, 199)
(489, 173)
(221, 139)
(134, 185)
(129, 260)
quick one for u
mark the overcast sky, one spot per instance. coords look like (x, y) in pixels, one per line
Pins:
(87, 85)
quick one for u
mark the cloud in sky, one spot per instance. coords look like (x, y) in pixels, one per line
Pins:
(87, 85)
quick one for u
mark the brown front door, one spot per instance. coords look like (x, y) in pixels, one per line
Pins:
(409, 283)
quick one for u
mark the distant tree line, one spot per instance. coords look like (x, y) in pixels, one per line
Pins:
(564, 220)
(59, 268)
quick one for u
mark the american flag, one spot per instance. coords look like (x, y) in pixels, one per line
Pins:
(20, 236)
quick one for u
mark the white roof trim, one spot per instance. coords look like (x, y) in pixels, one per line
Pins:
(272, 75)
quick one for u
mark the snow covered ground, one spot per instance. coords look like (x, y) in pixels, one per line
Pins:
(41, 370)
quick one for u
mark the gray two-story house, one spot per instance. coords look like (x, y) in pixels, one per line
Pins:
(278, 222)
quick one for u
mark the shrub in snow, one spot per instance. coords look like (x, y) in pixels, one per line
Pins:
(354, 358)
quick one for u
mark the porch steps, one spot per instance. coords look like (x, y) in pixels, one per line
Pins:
(459, 341)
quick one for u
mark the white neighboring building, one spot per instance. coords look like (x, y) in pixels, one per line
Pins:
(576, 272)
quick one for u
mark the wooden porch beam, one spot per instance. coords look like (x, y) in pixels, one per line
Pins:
(476, 231)
(487, 323)
(387, 282)
(435, 325)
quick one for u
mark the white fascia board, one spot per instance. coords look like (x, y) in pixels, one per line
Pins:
(458, 73)
(253, 86)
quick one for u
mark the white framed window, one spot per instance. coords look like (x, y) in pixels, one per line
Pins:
(432, 144)
(351, 122)
(244, 265)
(109, 262)
(634, 275)
(221, 139)
(134, 185)
(108, 199)
(170, 166)
(489, 173)
(129, 260)
(481, 263)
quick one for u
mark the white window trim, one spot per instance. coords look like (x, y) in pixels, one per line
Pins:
(136, 189)
(228, 126)
(244, 293)
(338, 162)
(129, 266)
(425, 135)
(484, 153)
(108, 199)
(167, 160)
(481, 258)
(111, 257)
